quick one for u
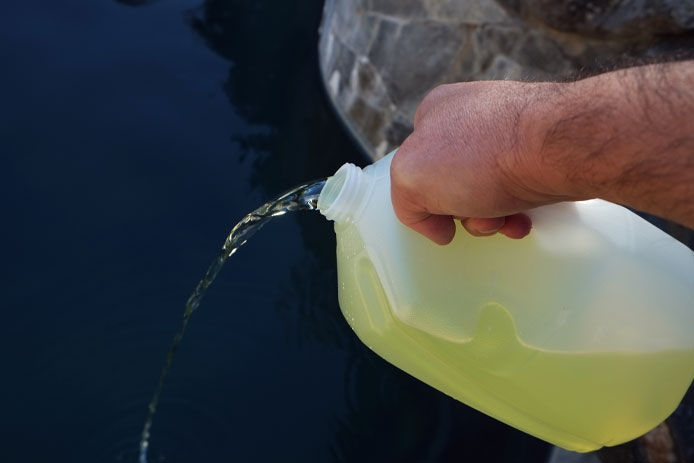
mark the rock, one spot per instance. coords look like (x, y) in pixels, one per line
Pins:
(379, 58)
(632, 19)
(398, 46)
(405, 9)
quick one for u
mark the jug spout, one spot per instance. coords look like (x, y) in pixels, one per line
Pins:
(343, 194)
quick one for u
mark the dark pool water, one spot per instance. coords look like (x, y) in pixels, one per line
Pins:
(133, 135)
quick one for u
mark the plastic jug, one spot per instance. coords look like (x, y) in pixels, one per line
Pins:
(580, 334)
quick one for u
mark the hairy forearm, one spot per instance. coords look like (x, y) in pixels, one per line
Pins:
(625, 136)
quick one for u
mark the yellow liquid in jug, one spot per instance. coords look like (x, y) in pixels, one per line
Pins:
(578, 401)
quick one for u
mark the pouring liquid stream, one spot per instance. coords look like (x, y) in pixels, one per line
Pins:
(303, 197)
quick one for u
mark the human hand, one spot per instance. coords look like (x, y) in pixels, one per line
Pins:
(468, 159)
(484, 152)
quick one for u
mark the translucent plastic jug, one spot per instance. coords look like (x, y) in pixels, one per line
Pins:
(581, 334)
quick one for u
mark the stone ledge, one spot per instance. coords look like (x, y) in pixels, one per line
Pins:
(379, 58)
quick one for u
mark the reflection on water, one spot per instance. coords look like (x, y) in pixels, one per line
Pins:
(284, 96)
(274, 83)
(136, 2)
(307, 304)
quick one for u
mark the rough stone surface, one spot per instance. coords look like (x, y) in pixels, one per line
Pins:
(379, 58)
(632, 19)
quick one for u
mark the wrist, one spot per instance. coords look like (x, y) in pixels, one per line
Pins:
(550, 160)
(584, 137)
(623, 136)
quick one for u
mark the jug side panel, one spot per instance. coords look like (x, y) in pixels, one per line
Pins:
(577, 401)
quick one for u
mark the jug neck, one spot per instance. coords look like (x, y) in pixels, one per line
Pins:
(343, 195)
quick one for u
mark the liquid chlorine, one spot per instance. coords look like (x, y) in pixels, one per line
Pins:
(579, 334)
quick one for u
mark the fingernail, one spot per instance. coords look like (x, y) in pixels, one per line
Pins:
(489, 226)
(517, 226)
